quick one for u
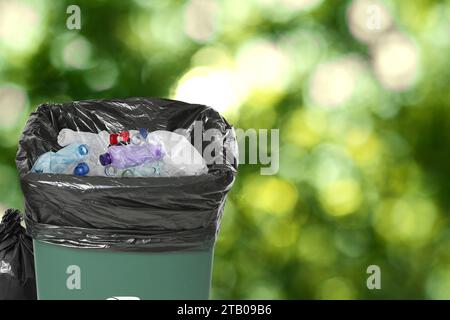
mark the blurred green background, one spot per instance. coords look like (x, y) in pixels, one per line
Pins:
(359, 90)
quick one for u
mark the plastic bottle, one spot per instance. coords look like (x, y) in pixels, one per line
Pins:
(98, 144)
(61, 161)
(97, 141)
(147, 169)
(122, 157)
(139, 138)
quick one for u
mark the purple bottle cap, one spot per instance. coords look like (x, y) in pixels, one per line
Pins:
(81, 169)
(105, 159)
(83, 149)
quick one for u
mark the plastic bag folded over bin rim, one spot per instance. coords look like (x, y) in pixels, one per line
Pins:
(127, 214)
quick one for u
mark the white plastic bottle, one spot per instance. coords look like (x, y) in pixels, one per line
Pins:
(95, 141)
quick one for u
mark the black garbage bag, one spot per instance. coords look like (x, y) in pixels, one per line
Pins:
(17, 279)
(144, 214)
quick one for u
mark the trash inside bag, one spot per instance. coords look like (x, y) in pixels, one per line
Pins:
(179, 209)
(17, 279)
(127, 154)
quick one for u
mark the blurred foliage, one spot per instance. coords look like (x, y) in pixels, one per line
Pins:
(359, 90)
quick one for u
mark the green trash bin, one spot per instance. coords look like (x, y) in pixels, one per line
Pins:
(65, 273)
(99, 237)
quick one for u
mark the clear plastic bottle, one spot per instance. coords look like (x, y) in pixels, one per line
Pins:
(138, 137)
(98, 144)
(122, 157)
(61, 161)
(147, 169)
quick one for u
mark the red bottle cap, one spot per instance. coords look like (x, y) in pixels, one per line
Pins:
(124, 137)
(113, 139)
(119, 138)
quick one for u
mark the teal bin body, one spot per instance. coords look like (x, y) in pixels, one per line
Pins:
(65, 273)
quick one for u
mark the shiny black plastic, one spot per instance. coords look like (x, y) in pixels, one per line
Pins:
(140, 214)
(17, 279)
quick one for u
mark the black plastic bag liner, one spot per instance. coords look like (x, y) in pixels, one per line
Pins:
(17, 279)
(140, 214)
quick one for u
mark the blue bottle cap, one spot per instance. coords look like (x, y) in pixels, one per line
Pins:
(83, 149)
(81, 169)
(143, 132)
(105, 159)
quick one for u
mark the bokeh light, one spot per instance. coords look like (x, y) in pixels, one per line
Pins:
(341, 198)
(396, 61)
(438, 283)
(283, 10)
(304, 47)
(336, 289)
(103, 76)
(316, 246)
(270, 191)
(215, 87)
(201, 18)
(71, 52)
(333, 83)
(407, 221)
(76, 53)
(368, 20)
(13, 102)
(314, 126)
(22, 24)
(262, 65)
(301, 4)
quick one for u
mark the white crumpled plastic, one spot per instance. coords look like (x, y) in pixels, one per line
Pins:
(181, 158)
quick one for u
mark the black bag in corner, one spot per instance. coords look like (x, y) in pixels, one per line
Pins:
(17, 278)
